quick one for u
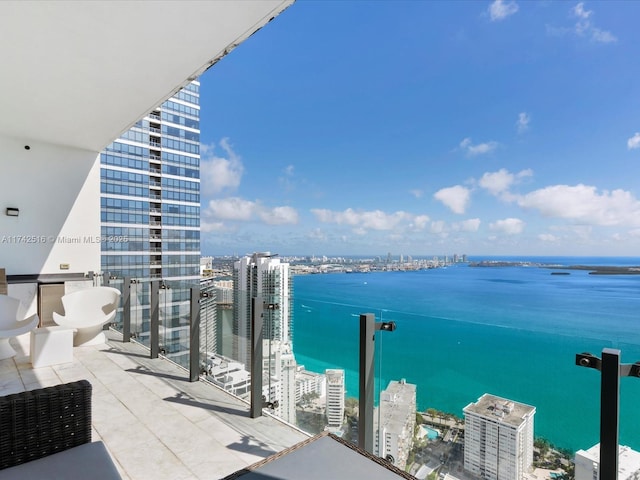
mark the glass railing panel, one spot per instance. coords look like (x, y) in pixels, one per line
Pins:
(295, 391)
(174, 316)
(117, 283)
(140, 312)
(326, 341)
(225, 337)
(279, 364)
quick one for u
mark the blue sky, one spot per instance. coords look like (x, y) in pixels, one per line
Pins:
(427, 128)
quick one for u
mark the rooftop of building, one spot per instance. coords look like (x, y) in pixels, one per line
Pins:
(397, 405)
(500, 409)
(628, 459)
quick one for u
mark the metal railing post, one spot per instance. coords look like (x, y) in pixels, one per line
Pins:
(368, 327)
(126, 309)
(194, 335)
(610, 372)
(609, 413)
(366, 380)
(257, 334)
(154, 327)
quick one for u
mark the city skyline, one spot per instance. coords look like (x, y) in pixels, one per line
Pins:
(426, 127)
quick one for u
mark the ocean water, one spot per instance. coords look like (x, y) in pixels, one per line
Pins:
(463, 331)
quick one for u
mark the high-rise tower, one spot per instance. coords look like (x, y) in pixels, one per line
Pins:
(261, 275)
(150, 213)
(150, 194)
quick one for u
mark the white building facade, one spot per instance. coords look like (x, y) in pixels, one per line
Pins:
(309, 383)
(265, 277)
(587, 464)
(498, 438)
(261, 275)
(335, 398)
(279, 379)
(394, 422)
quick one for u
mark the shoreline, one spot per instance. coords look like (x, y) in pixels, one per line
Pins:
(593, 269)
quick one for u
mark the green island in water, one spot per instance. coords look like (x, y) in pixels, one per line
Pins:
(592, 269)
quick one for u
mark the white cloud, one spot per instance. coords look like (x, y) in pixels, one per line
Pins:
(479, 149)
(212, 226)
(634, 142)
(456, 198)
(317, 235)
(416, 192)
(580, 12)
(279, 216)
(602, 36)
(470, 225)
(547, 237)
(239, 209)
(584, 205)
(369, 220)
(584, 26)
(287, 178)
(499, 10)
(509, 226)
(232, 208)
(523, 122)
(501, 181)
(219, 173)
(419, 222)
(437, 227)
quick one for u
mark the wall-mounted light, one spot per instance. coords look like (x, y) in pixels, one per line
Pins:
(12, 212)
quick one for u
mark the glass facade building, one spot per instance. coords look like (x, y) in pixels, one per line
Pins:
(150, 216)
(150, 194)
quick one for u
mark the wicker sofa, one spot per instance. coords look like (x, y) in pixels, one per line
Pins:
(46, 433)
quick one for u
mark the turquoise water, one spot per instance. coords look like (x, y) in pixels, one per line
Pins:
(431, 433)
(464, 331)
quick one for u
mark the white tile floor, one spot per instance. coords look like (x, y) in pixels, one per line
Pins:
(155, 423)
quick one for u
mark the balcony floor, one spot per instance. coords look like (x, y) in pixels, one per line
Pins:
(154, 422)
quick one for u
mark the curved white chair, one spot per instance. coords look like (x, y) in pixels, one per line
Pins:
(11, 326)
(88, 311)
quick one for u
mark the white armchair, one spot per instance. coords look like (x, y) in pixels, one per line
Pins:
(88, 311)
(13, 323)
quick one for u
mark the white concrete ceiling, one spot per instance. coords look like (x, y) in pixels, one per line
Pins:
(79, 73)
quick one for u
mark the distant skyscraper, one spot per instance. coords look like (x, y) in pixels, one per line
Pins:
(498, 438)
(335, 398)
(260, 275)
(265, 277)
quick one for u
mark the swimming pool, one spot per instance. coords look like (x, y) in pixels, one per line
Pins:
(430, 433)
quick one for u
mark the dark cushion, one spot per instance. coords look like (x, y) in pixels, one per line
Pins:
(90, 460)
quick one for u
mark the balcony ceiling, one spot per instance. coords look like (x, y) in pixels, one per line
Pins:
(79, 74)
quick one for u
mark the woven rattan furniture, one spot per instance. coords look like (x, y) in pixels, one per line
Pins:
(46, 433)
